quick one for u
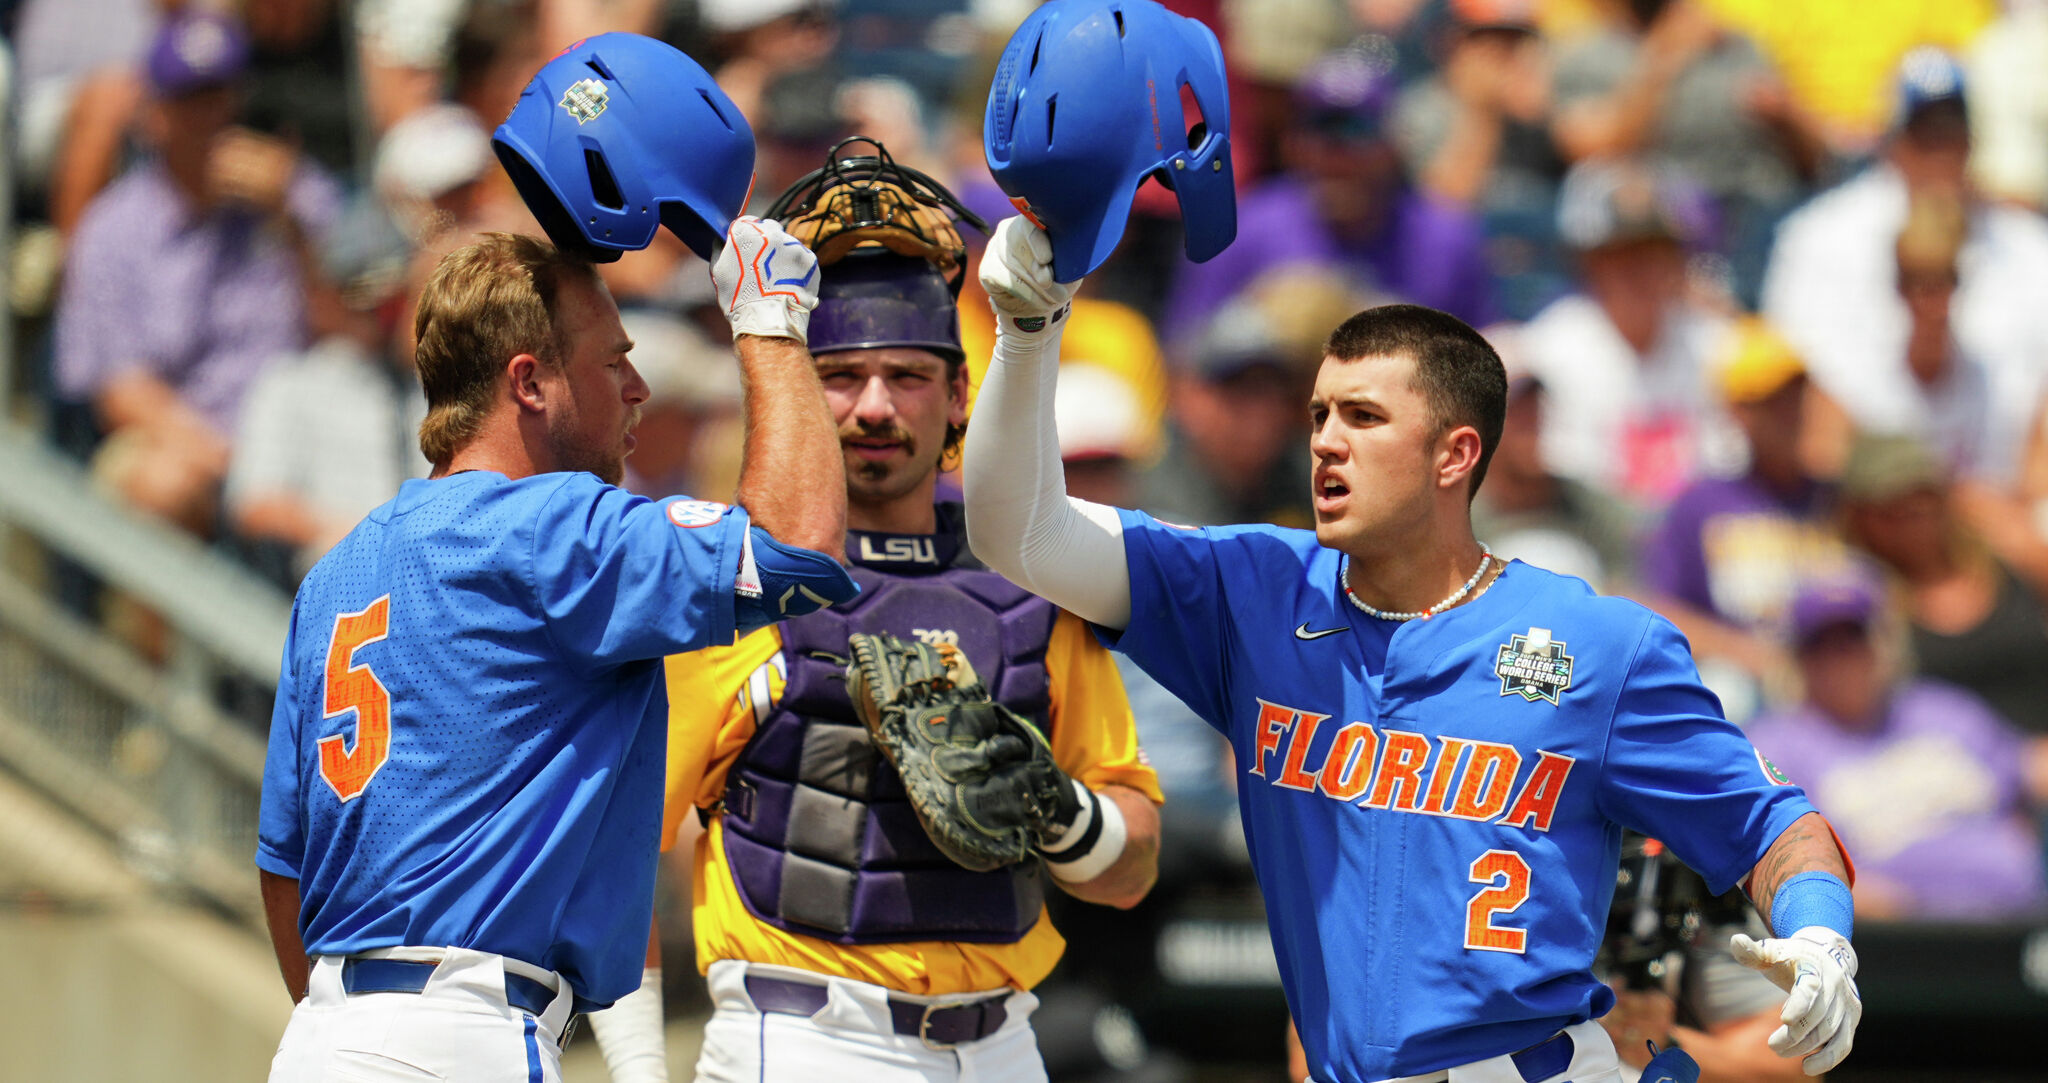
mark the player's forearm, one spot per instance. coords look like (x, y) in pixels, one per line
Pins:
(1019, 517)
(792, 482)
(1125, 883)
(281, 914)
(1806, 846)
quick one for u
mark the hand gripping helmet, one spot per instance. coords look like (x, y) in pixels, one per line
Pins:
(1087, 102)
(891, 258)
(621, 134)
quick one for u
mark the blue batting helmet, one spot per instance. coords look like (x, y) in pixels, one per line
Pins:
(1087, 102)
(621, 134)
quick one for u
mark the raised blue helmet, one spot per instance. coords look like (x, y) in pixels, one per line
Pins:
(1089, 99)
(622, 134)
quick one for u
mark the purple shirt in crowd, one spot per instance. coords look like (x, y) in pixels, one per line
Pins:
(1736, 549)
(1430, 253)
(202, 301)
(1931, 800)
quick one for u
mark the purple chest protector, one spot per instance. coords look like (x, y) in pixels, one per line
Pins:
(818, 832)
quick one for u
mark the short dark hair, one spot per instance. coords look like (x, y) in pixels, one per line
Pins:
(1456, 369)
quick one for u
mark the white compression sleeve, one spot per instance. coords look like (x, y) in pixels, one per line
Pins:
(630, 1034)
(1020, 520)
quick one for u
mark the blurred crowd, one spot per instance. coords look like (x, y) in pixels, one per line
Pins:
(1771, 281)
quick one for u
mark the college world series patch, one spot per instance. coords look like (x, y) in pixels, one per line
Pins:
(585, 100)
(1533, 666)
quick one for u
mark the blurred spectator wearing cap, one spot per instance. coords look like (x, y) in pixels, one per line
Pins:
(1926, 785)
(1530, 512)
(1475, 133)
(327, 434)
(1344, 203)
(2009, 119)
(1834, 285)
(1626, 360)
(1730, 551)
(187, 276)
(1664, 80)
(1976, 611)
(431, 169)
(1238, 398)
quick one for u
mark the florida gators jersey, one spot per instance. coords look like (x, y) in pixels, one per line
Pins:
(468, 742)
(1436, 830)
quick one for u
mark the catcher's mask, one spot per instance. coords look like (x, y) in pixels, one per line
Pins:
(870, 201)
(891, 258)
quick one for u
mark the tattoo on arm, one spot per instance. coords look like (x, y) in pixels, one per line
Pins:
(1807, 846)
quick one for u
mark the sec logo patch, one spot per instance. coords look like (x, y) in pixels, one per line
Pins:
(696, 513)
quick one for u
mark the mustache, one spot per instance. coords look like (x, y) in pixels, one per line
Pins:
(892, 433)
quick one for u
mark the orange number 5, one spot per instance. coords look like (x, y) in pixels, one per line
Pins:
(351, 687)
(1481, 934)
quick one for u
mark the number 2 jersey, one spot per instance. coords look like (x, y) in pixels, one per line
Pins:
(1434, 808)
(468, 743)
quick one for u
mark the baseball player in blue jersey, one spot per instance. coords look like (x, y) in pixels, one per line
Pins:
(1438, 750)
(463, 793)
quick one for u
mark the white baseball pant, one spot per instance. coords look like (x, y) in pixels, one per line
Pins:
(1592, 1061)
(459, 1026)
(853, 1036)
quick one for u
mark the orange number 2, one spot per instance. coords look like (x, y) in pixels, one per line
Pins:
(1493, 866)
(351, 687)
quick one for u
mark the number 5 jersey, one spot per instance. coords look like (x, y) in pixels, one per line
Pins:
(468, 739)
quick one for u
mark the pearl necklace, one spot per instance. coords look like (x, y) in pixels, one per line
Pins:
(1344, 577)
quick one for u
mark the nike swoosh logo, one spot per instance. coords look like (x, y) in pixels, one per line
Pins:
(1304, 634)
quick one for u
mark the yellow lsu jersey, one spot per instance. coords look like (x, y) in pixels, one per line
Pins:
(715, 697)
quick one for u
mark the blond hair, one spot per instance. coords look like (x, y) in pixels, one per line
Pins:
(484, 304)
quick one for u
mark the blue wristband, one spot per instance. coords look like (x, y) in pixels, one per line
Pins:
(1812, 898)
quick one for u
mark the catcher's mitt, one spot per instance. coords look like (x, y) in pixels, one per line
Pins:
(981, 777)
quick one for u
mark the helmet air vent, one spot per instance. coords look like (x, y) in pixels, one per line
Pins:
(604, 188)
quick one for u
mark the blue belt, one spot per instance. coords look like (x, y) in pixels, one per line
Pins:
(1545, 1058)
(407, 976)
(940, 1026)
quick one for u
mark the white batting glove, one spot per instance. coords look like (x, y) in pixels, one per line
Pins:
(1017, 273)
(1817, 967)
(766, 279)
